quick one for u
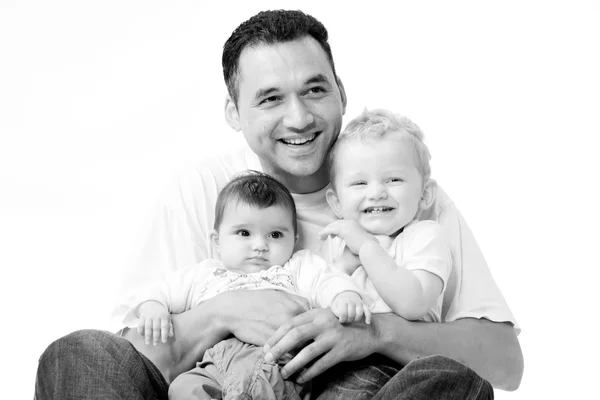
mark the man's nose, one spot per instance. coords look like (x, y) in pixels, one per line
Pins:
(297, 115)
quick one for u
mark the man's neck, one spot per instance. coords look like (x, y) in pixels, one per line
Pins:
(302, 184)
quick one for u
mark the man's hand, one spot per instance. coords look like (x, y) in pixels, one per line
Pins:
(253, 316)
(350, 307)
(154, 322)
(329, 343)
(350, 231)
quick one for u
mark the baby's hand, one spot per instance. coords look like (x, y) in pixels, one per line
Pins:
(350, 307)
(350, 231)
(154, 322)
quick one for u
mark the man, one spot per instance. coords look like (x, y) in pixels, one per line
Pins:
(285, 96)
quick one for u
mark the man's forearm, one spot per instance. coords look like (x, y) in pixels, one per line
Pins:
(196, 331)
(491, 349)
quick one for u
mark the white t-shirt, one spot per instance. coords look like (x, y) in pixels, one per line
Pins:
(421, 246)
(178, 235)
(305, 274)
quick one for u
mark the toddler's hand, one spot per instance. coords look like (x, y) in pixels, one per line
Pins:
(154, 322)
(350, 231)
(350, 307)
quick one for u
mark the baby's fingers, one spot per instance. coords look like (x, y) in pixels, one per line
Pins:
(165, 329)
(140, 327)
(148, 330)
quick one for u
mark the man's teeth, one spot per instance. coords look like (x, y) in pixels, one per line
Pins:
(298, 140)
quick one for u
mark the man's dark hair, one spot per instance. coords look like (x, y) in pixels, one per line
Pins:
(258, 190)
(269, 27)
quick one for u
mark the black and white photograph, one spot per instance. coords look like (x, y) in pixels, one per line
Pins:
(299, 199)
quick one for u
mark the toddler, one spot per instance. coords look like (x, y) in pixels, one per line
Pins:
(380, 182)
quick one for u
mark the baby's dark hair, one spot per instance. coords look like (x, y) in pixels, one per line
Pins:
(258, 190)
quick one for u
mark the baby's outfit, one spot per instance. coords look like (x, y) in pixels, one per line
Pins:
(233, 369)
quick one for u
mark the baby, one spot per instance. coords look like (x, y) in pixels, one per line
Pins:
(380, 182)
(255, 232)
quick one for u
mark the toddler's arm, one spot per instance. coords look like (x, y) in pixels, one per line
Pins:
(409, 292)
(350, 307)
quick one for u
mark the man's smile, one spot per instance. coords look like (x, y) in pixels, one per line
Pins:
(300, 141)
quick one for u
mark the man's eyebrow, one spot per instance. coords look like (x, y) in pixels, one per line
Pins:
(265, 92)
(319, 78)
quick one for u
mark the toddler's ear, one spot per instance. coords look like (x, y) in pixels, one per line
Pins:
(333, 202)
(429, 194)
(214, 238)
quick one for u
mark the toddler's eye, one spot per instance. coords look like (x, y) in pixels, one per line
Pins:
(243, 232)
(276, 235)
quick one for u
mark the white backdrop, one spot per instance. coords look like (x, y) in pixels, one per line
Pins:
(100, 102)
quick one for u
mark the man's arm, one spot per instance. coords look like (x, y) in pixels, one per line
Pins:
(251, 316)
(490, 349)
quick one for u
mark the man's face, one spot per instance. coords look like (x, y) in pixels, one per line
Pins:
(377, 183)
(252, 239)
(290, 110)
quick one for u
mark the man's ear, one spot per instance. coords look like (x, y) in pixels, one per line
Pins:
(342, 94)
(214, 238)
(429, 194)
(231, 114)
(333, 202)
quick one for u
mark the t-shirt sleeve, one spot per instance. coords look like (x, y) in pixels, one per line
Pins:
(426, 248)
(472, 291)
(177, 230)
(317, 281)
(175, 292)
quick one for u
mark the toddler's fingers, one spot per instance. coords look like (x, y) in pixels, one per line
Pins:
(351, 311)
(359, 312)
(171, 331)
(367, 310)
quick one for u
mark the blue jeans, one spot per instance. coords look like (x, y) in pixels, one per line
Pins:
(93, 364)
(378, 378)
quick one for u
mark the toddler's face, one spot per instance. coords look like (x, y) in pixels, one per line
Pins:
(377, 183)
(251, 239)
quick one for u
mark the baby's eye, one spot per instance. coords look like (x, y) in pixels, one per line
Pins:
(243, 232)
(276, 235)
(395, 180)
(358, 183)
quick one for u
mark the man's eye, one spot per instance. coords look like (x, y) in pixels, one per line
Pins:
(316, 90)
(270, 99)
(243, 232)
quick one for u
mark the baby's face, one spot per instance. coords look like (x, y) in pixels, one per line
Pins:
(251, 239)
(378, 184)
